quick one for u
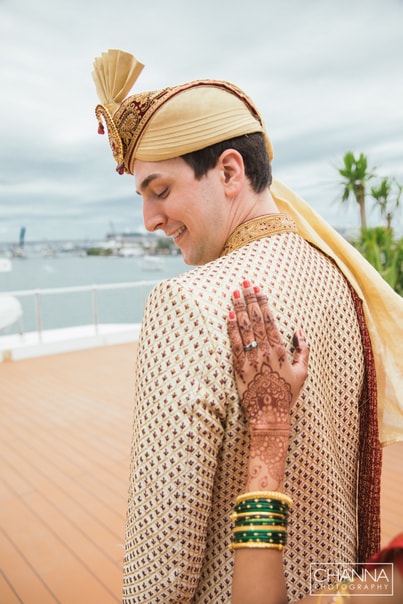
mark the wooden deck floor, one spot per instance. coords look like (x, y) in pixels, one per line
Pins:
(65, 425)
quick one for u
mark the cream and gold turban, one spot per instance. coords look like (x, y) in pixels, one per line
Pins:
(162, 124)
(167, 123)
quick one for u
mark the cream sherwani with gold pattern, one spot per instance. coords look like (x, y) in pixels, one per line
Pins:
(190, 441)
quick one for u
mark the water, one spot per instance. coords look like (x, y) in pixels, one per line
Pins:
(69, 309)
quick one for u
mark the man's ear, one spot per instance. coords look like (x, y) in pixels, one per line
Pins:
(232, 168)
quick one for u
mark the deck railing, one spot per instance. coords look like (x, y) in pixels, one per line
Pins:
(93, 302)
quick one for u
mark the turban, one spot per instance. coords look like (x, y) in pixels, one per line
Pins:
(167, 123)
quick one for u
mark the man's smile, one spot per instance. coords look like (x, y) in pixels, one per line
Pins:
(176, 234)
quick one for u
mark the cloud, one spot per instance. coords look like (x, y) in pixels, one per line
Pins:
(325, 75)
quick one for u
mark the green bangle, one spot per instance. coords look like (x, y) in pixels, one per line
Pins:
(277, 537)
(259, 514)
(252, 539)
(260, 509)
(266, 503)
(261, 521)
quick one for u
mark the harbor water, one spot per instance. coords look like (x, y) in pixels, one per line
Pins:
(67, 309)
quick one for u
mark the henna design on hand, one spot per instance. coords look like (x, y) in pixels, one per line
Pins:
(267, 398)
(269, 447)
(268, 383)
(267, 401)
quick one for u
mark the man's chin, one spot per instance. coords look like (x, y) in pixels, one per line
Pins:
(190, 261)
(196, 259)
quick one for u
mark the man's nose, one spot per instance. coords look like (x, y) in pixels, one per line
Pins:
(154, 218)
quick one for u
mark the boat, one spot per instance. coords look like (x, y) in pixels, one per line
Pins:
(10, 310)
(129, 251)
(5, 265)
(152, 263)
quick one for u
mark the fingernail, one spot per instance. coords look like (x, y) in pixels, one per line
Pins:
(246, 284)
(231, 315)
(237, 294)
(256, 289)
(296, 337)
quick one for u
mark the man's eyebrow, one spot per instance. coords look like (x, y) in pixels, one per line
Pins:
(143, 186)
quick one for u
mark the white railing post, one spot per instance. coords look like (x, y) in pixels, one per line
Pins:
(38, 314)
(95, 308)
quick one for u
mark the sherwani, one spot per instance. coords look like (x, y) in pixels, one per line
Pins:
(190, 438)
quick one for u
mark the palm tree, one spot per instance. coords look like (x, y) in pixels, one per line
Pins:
(356, 174)
(382, 195)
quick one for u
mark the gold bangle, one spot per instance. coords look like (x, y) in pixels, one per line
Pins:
(258, 527)
(257, 545)
(265, 495)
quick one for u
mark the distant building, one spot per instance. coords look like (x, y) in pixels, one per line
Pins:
(152, 243)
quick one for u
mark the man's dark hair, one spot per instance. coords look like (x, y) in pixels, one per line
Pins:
(252, 147)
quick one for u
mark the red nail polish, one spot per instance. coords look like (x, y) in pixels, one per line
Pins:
(256, 289)
(231, 315)
(246, 284)
(237, 294)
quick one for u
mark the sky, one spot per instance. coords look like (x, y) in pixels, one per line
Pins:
(327, 77)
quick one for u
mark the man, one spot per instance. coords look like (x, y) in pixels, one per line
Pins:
(201, 160)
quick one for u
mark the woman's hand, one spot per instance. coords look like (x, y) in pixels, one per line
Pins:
(254, 322)
(268, 383)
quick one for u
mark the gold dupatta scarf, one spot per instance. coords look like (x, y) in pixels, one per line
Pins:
(382, 307)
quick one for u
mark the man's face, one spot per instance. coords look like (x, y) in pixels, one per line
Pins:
(195, 213)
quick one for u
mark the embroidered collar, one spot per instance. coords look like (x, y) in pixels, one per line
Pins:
(263, 226)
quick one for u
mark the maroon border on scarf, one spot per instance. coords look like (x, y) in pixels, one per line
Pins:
(370, 451)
